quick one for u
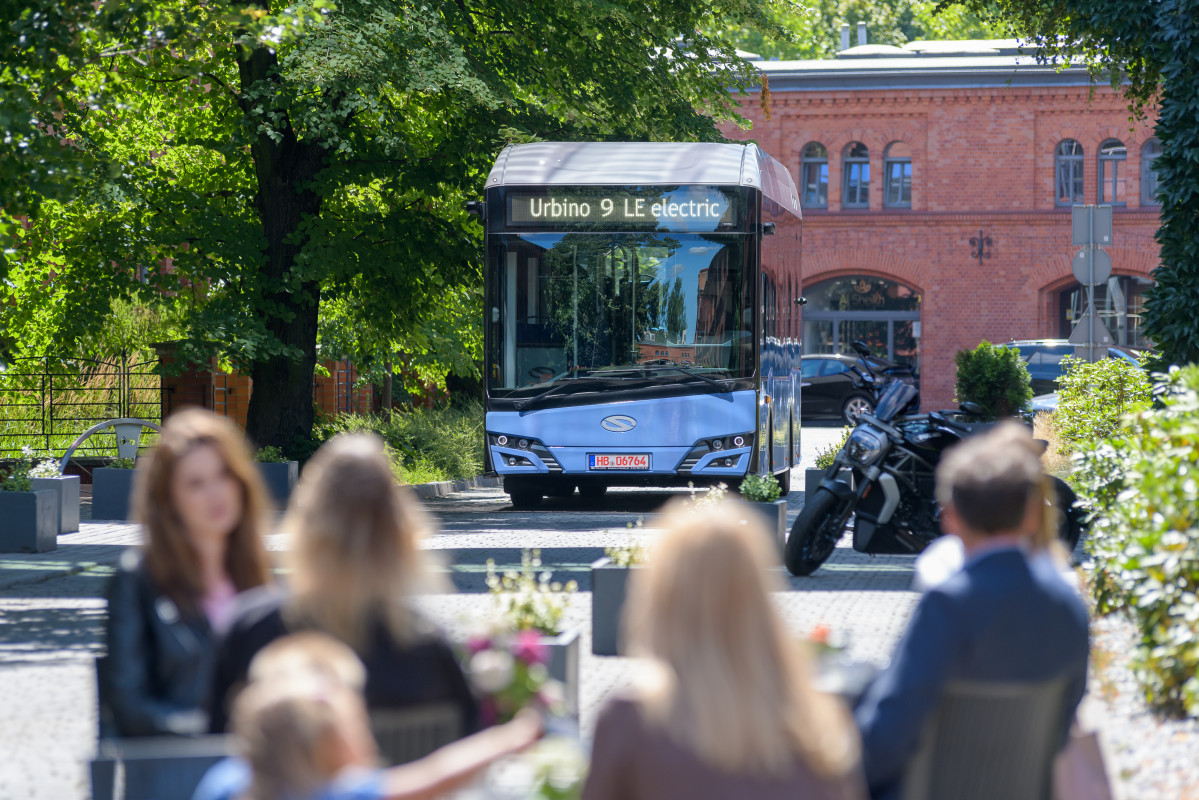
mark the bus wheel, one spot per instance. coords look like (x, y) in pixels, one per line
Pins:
(592, 490)
(525, 498)
(784, 479)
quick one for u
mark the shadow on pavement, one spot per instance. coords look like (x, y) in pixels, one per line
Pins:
(32, 634)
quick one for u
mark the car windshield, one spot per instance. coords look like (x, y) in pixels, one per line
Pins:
(630, 307)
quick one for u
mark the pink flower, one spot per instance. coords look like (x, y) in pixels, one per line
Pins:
(477, 644)
(528, 648)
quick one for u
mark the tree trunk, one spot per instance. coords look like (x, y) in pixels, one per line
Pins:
(281, 407)
(387, 382)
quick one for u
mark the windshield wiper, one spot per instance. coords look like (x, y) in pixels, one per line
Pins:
(722, 385)
(523, 405)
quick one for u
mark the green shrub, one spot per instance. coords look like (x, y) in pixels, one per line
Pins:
(826, 457)
(1093, 398)
(1142, 486)
(995, 377)
(426, 445)
(270, 455)
(760, 488)
(123, 463)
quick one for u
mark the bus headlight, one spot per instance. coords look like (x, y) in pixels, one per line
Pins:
(864, 445)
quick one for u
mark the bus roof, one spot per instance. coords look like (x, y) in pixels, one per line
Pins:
(645, 164)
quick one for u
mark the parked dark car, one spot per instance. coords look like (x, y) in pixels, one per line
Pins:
(1044, 360)
(827, 387)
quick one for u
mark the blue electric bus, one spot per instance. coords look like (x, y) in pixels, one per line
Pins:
(641, 316)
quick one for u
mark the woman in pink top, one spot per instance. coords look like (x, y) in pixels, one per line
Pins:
(202, 505)
(726, 708)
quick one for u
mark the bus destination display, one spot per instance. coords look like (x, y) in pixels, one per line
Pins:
(682, 209)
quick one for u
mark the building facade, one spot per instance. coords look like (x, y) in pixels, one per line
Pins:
(936, 183)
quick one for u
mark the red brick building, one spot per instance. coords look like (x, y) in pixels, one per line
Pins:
(936, 182)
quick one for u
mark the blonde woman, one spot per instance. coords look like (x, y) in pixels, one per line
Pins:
(355, 564)
(202, 505)
(726, 708)
(301, 731)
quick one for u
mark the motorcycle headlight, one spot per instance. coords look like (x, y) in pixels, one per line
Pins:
(864, 445)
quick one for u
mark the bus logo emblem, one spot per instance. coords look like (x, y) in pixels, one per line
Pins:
(618, 423)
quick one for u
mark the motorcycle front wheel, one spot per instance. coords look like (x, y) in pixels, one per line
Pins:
(815, 533)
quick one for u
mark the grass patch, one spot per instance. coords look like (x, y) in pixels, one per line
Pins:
(426, 445)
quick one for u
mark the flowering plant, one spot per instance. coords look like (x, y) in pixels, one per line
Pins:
(46, 468)
(508, 672)
(826, 643)
(16, 477)
(711, 497)
(527, 600)
(629, 554)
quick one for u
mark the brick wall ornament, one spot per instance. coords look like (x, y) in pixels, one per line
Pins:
(982, 247)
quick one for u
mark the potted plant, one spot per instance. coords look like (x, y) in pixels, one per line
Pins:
(527, 600)
(824, 461)
(762, 492)
(112, 489)
(46, 476)
(279, 473)
(609, 588)
(30, 516)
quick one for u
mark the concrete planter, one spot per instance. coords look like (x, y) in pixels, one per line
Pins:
(609, 587)
(562, 652)
(280, 478)
(813, 477)
(66, 488)
(28, 522)
(774, 517)
(112, 491)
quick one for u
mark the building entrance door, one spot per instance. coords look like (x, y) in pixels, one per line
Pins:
(882, 313)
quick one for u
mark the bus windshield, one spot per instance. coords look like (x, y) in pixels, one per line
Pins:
(616, 309)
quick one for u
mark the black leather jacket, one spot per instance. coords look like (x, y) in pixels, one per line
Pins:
(158, 674)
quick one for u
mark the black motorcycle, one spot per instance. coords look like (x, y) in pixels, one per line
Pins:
(883, 478)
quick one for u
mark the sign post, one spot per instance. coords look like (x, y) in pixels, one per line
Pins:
(1090, 227)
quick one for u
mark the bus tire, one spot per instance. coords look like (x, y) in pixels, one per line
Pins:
(784, 479)
(525, 498)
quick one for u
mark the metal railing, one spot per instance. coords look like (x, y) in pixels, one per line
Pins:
(46, 403)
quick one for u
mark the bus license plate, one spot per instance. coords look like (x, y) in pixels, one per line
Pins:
(618, 461)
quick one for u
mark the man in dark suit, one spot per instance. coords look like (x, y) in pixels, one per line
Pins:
(1006, 616)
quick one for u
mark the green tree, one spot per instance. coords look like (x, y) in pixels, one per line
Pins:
(676, 313)
(1150, 51)
(247, 165)
(813, 29)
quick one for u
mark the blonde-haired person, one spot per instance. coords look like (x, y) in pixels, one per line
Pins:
(355, 564)
(203, 508)
(301, 731)
(726, 707)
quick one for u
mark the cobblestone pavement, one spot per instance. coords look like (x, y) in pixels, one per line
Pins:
(52, 612)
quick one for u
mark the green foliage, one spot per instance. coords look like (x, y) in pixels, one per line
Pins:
(814, 28)
(1093, 398)
(626, 555)
(527, 600)
(123, 463)
(760, 488)
(16, 477)
(237, 169)
(1142, 486)
(995, 377)
(270, 455)
(426, 445)
(826, 457)
(1151, 52)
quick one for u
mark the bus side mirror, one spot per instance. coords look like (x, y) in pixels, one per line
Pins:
(476, 208)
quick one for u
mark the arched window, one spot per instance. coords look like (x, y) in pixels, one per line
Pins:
(855, 191)
(897, 175)
(885, 314)
(1069, 172)
(814, 175)
(1149, 153)
(1112, 154)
